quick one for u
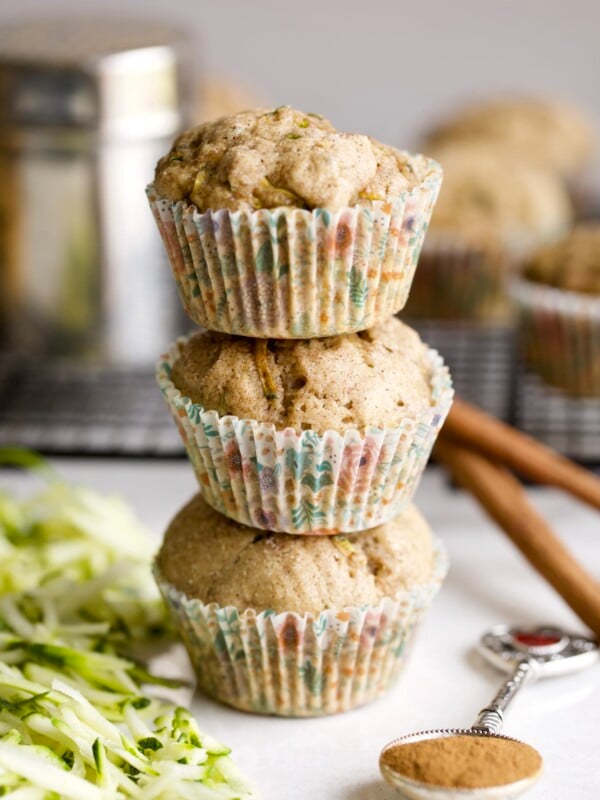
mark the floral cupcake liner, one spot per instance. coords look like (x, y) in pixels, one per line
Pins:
(281, 480)
(560, 336)
(289, 273)
(300, 666)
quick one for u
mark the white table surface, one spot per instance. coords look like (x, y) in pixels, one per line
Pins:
(444, 683)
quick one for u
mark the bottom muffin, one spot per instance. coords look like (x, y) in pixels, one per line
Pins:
(296, 625)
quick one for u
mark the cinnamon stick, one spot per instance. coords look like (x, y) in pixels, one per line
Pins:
(468, 425)
(502, 497)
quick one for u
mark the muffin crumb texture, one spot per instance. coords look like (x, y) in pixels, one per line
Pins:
(210, 557)
(374, 378)
(572, 264)
(284, 157)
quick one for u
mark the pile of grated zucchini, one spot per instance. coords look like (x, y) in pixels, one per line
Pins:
(75, 721)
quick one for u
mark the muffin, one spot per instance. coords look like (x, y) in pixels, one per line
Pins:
(494, 208)
(308, 436)
(277, 225)
(550, 133)
(559, 300)
(360, 380)
(296, 625)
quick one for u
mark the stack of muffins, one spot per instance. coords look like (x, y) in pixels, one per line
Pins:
(308, 411)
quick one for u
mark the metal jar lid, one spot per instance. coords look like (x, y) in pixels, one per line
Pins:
(120, 78)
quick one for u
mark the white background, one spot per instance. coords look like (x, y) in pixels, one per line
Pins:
(384, 67)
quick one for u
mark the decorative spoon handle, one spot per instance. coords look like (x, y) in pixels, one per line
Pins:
(490, 718)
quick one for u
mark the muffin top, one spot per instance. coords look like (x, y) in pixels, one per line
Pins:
(573, 263)
(551, 133)
(265, 159)
(217, 560)
(369, 379)
(495, 192)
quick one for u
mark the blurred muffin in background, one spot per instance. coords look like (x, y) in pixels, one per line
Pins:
(218, 96)
(494, 208)
(558, 296)
(552, 133)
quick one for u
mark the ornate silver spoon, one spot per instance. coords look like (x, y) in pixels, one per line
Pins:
(525, 653)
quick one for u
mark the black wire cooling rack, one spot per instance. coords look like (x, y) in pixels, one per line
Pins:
(62, 408)
(481, 361)
(72, 409)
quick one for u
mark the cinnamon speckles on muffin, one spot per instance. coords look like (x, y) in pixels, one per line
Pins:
(369, 379)
(283, 157)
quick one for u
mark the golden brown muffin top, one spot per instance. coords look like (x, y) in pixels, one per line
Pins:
(495, 191)
(369, 379)
(217, 560)
(265, 159)
(551, 133)
(573, 263)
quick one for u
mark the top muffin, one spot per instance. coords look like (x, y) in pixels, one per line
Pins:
(551, 133)
(284, 157)
(573, 263)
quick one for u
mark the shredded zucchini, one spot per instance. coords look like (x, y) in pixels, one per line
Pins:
(75, 718)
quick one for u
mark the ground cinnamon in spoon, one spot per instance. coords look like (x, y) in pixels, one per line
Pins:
(464, 761)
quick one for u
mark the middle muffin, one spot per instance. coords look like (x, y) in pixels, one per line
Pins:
(308, 436)
(278, 225)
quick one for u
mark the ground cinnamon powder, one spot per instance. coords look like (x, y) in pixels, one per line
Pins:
(463, 761)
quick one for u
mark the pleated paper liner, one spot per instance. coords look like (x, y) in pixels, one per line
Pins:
(300, 666)
(281, 480)
(560, 336)
(289, 273)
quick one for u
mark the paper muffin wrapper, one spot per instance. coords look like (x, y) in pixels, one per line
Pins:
(560, 336)
(300, 665)
(289, 273)
(281, 480)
